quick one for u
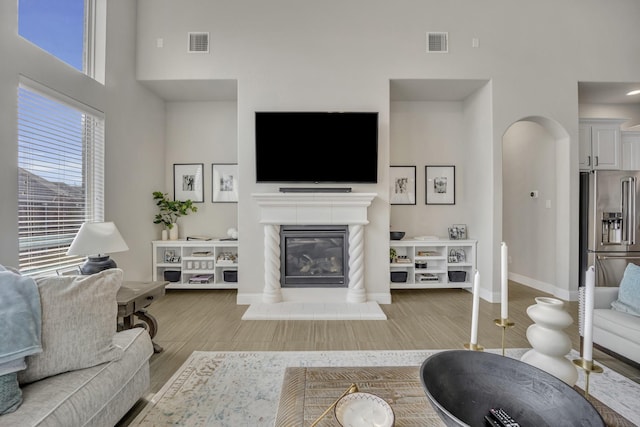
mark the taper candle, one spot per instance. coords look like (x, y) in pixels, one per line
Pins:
(476, 308)
(587, 339)
(504, 309)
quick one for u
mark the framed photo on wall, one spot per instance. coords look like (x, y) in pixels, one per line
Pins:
(440, 185)
(188, 182)
(402, 185)
(224, 182)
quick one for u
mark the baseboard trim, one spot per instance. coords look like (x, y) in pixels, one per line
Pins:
(563, 294)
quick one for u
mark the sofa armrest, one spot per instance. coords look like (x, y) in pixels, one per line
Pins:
(603, 296)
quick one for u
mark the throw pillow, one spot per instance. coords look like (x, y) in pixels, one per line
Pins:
(629, 294)
(79, 320)
(10, 393)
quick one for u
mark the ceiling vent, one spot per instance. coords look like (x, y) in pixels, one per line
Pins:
(438, 42)
(198, 42)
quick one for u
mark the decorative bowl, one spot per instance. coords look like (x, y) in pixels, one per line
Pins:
(397, 235)
(464, 385)
(363, 410)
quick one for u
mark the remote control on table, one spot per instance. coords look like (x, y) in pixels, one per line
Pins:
(491, 422)
(503, 418)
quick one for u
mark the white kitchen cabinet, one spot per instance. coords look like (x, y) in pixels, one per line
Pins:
(432, 264)
(599, 144)
(630, 150)
(188, 259)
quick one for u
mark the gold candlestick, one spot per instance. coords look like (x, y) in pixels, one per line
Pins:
(474, 347)
(504, 324)
(588, 367)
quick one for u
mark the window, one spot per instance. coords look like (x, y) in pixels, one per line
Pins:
(60, 175)
(71, 30)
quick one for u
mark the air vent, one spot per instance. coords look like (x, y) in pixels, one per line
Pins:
(437, 42)
(198, 42)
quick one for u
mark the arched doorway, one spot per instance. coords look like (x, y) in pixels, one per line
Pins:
(535, 203)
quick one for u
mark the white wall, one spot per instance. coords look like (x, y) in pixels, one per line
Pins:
(529, 227)
(202, 132)
(134, 145)
(429, 133)
(335, 55)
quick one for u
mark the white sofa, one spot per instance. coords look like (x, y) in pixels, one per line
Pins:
(614, 332)
(98, 396)
(82, 372)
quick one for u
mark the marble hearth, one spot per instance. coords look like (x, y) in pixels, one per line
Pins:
(349, 209)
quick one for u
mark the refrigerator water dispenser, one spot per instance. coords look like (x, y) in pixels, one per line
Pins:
(611, 228)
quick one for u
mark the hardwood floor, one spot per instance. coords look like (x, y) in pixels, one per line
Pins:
(417, 319)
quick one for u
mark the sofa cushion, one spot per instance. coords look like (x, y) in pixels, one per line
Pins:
(629, 295)
(79, 320)
(10, 393)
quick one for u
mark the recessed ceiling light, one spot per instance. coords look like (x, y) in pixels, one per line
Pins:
(634, 92)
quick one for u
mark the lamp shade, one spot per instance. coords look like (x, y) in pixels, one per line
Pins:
(96, 238)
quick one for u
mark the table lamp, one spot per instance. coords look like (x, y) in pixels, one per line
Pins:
(95, 239)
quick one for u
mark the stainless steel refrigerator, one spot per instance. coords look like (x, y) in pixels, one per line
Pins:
(609, 233)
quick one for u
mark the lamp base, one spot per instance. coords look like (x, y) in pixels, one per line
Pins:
(96, 264)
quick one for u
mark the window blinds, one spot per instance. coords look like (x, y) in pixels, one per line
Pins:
(60, 175)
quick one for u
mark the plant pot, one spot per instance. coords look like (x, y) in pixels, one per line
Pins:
(173, 232)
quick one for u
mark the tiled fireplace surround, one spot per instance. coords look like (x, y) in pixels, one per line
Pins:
(314, 208)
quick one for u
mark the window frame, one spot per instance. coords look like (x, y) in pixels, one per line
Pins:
(92, 135)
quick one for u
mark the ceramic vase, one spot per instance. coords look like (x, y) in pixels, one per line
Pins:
(549, 341)
(173, 232)
(165, 234)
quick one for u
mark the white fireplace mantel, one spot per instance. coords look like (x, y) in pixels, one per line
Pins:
(278, 209)
(314, 208)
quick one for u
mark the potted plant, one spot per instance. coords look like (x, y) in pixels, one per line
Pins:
(170, 211)
(392, 254)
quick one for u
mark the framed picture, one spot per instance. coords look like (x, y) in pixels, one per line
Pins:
(188, 182)
(170, 256)
(440, 185)
(224, 182)
(402, 185)
(458, 232)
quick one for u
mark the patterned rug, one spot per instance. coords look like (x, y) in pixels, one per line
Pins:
(238, 389)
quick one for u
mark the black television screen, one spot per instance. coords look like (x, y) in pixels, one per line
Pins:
(317, 147)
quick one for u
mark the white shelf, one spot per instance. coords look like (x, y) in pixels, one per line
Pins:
(436, 254)
(190, 265)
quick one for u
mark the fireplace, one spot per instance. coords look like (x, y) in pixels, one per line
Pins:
(314, 256)
(278, 210)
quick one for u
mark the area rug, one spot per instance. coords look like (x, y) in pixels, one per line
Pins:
(238, 389)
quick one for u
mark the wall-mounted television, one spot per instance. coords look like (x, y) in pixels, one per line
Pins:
(316, 147)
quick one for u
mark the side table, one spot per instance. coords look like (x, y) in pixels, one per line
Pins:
(133, 299)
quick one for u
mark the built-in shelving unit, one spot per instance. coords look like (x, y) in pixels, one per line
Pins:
(432, 264)
(186, 260)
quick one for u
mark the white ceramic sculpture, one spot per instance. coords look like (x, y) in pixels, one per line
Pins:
(550, 343)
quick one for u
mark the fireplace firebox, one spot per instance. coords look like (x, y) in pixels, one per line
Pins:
(314, 256)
